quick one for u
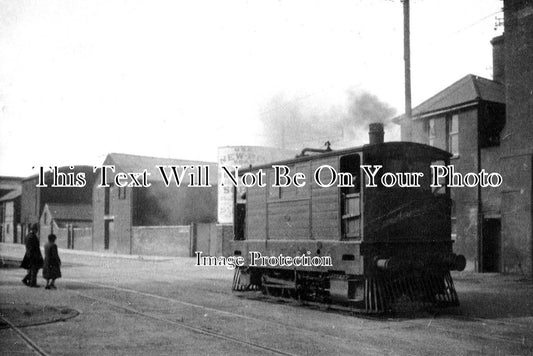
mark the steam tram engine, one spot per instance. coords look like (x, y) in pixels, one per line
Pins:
(387, 245)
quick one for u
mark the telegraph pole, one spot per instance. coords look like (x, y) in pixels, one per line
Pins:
(407, 123)
(407, 61)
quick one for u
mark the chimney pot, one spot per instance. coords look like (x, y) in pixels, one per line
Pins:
(375, 133)
(498, 59)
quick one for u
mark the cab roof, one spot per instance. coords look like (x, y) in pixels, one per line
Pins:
(386, 149)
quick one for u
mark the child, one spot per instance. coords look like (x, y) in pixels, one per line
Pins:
(52, 263)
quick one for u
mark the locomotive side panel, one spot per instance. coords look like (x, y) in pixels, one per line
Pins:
(324, 202)
(288, 220)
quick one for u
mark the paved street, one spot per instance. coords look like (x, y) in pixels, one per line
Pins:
(107, 305)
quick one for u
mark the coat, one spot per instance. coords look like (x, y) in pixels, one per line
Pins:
(33, 257)
(52, 263)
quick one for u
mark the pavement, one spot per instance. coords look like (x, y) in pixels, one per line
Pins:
(134, 305)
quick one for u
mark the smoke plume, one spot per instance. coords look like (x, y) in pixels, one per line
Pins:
(294, 123)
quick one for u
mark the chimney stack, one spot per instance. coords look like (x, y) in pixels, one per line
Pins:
(375, 133)
(498, 59)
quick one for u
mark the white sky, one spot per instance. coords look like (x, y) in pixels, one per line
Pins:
(80, 79)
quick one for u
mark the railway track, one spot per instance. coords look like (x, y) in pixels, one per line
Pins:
(199, 306)
(262, 298)
(27, 340)
(195, 329)
(250, 344)
(316, 306)
(199, 330)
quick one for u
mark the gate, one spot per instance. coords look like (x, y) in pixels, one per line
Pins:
(204, 238)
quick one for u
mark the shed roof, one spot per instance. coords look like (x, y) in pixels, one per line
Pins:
(469, 89)
(12, 195)
(72, 212)
(133, 163)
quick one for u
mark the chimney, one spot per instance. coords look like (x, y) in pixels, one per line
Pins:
(375, 133)
(498, 59)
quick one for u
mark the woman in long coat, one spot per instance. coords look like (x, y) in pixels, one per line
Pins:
(33, 260)
(52, 263)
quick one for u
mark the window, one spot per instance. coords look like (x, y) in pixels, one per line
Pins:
(453, 135)
(431, 132)
(442, 182)
(350, 198)
(45, 218)
(454, 221)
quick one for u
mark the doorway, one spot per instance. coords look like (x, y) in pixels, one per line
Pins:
(491, 245)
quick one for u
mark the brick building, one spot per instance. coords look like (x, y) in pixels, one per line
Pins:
(487, 124)
(466, 119)
(34, 198)
(120, 212)
(71, 223)
(517, 137)
(10, 217)
(9, 208)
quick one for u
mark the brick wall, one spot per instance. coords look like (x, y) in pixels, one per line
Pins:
(517, 138)
(161, 240)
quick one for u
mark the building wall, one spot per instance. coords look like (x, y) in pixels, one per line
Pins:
(30, 203)
(517, 214)
(121, 211)
(161, 240)
(159, 205)
(418, 131)
(155, 206)
(491, 197)
(34, 198)
(10, 223)
(120, 216)
(518, 17)
(517, 142)
(466, 198)
(98, 217)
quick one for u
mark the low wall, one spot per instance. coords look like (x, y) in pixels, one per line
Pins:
(83, 238)
(62, 237)
(161, 240)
